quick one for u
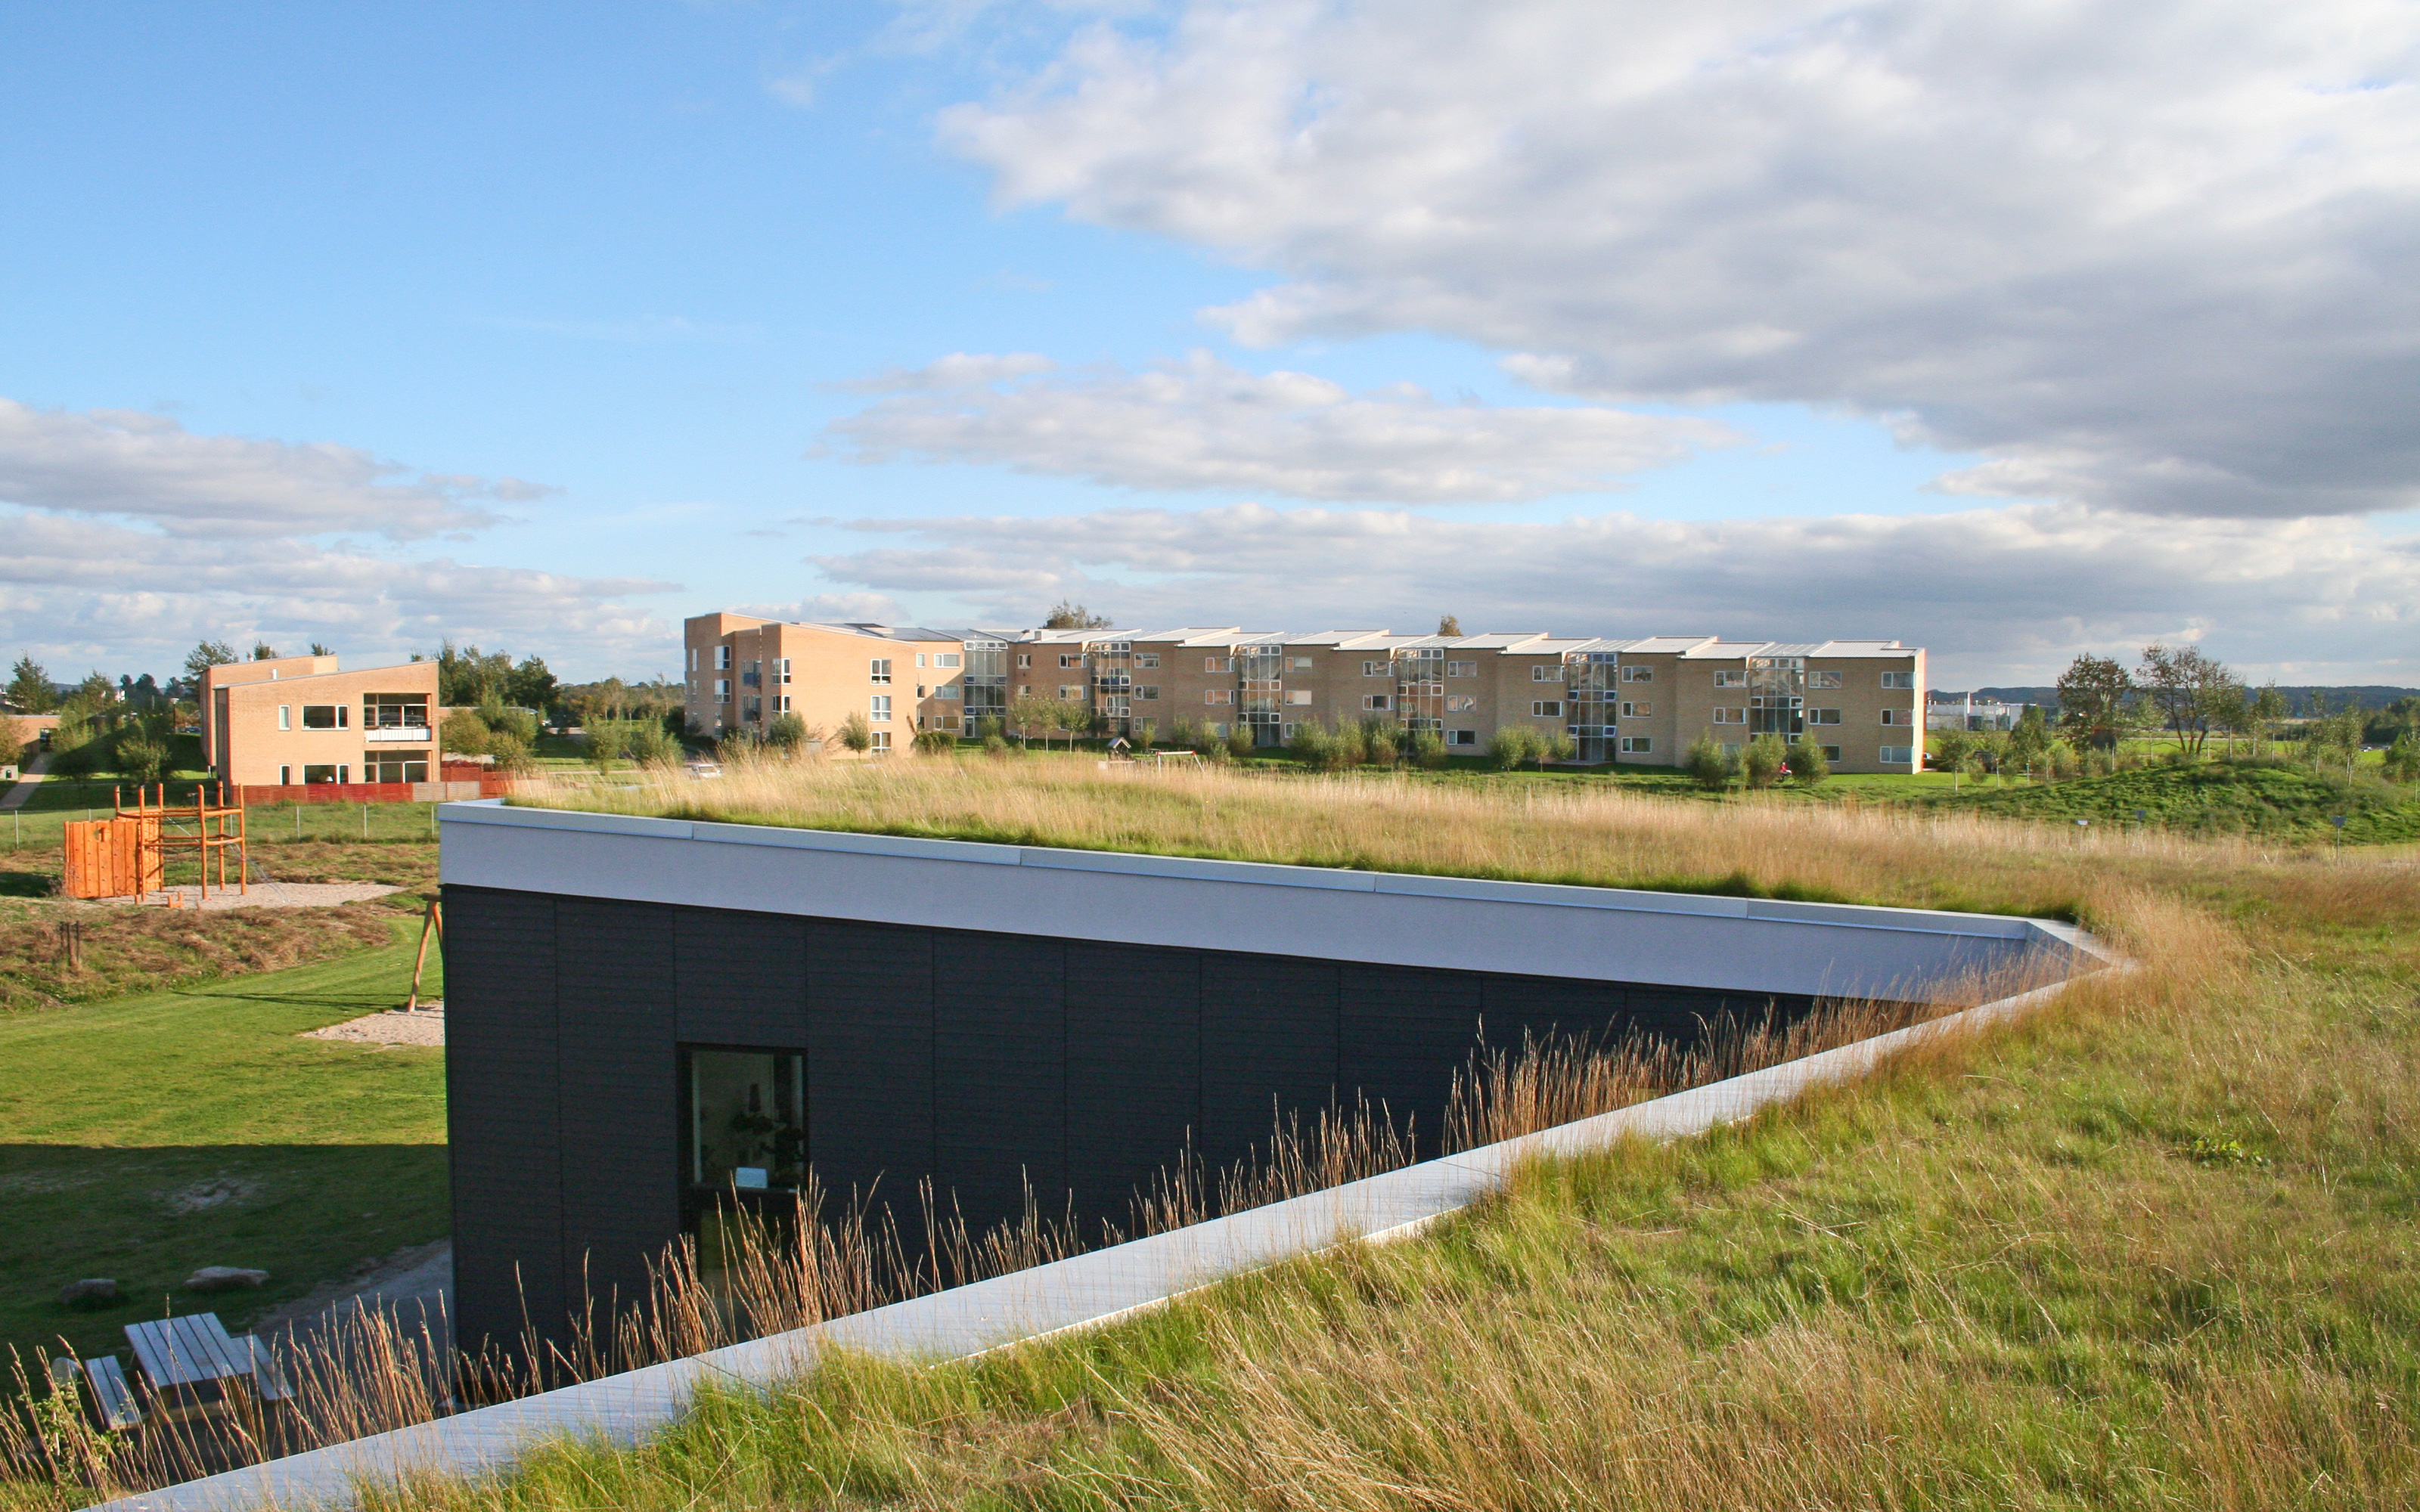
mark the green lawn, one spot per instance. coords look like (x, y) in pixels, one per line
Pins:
(145, 1137)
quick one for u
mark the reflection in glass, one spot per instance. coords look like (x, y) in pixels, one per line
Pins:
(747, 1121)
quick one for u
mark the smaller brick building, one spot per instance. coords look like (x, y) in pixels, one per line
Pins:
(296, 721)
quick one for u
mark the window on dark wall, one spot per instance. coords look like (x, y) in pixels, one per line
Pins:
(746, 1129)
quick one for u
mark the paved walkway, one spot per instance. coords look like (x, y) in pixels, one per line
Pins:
(29, 780)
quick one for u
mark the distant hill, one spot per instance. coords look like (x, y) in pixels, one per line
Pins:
(2298, 699)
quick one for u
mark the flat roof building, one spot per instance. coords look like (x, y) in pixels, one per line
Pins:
(1638, 701)
(290, 721)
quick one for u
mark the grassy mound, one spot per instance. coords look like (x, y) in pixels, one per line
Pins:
(2224, 797)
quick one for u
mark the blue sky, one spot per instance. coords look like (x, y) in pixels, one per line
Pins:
(544, 327)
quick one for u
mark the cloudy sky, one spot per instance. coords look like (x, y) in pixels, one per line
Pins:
(2011, 330)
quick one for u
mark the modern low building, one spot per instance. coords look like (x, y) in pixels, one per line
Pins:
(1638, 701)
(1965, 711)
(295, 721)
(653, 1022)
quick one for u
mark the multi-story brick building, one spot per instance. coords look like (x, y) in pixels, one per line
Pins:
(297, 721)
(1639, 702)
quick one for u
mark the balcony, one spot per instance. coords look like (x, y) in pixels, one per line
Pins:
(396, 731)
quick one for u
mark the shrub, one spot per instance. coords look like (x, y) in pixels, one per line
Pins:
(464, 734)
(141, 759)
(519, 724)
(934, 742)
(1428, 749)
(649, 744)
(1139, 735)
(1708, 763)
(1557, 746)
(1240, 740)
(1187, 734)
(510, 756)
(1381, 742)
(1311, 745)
(1512, 745)
(1808, 767)
(856, 734)
(12, 742)
(996, 745)
(608, 741)
(990, 728)
(1763, 761)
(2402, 763)
(1348, 747)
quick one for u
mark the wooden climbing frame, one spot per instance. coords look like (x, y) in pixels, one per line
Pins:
(126, 856)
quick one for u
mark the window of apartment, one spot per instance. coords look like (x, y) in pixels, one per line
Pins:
(1376, 702)
(878, 669)
(395, 766)
(1215, 664)
(1898, 756)
(1070, 658)
(1831, 753)
(285, 776)
(948, 658)
(1377, 669)
(1822, 680)
(1071, 693)
(879, 708)
(1460, 704)
(1737, 679)
(1822, 716)
(1638, 745)
(1219, 695)
(781, 670)
(920, 659)
(1640, 710)
(1297, 695)
(1297, 664)
(326, 715)
(1462, 737)
(1147, 661)
(752, 709)
(1901, 717)
(1546, 709)
(692, 659)
(316, 773)
(723, 659)
(1146, 692)
(781, 703)
(722, 690)
(1461, 669)
(1730, 716)
(1024, 660)
(1905, 680)
(946, 690)
(1546, 674)
(1637, 674)
(394, 711)
(881, 745)
(286, 716)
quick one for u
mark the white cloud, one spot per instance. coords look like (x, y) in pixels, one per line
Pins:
(2146, 254)
(128, 464)
(73, 592)
(1204, 425)
(2005, 593)
(833, 608)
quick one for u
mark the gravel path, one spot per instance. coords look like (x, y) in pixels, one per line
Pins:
(271, 895)
(425, 1026)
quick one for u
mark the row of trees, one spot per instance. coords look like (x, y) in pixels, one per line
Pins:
(1760, 764)
(2193, 697)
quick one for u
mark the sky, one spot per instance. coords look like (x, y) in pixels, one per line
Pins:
(2014, 331)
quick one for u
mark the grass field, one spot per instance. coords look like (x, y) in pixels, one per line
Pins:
(2154, 1248)
(147, 1135)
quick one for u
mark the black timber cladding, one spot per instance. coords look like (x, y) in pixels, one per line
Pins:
(978, 1061)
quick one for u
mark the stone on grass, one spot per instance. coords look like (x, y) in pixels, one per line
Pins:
(92, 1291)
(224, 1278)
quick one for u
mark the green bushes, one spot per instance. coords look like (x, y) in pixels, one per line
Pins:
(856, 734)
(935, 743)
(1808, 766)
(1761, 760)
(1708, 764)
(504, 736)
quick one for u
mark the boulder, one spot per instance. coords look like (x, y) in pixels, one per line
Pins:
(224, 1278)
(92, 1291)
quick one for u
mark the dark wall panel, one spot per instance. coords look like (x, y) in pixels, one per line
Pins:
(614, 991)
(870, 1060)
(502, 1112)
(1134, 1069)
(1268, 1042)
(1403, 1033)
(1000, 1057)
(1542, 1007)
(742, 978)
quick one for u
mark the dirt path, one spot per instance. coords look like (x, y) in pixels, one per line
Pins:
(29, 781)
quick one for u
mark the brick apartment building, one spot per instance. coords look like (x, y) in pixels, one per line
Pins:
(1635, 701)
(301, 720)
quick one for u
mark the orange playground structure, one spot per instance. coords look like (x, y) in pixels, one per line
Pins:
(126, 855)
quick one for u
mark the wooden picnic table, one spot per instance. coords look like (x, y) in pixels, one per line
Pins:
(192, 1350)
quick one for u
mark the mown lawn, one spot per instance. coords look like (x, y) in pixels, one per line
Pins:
(143, 1137)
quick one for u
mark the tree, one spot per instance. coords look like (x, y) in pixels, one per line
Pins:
(1763, 760)
(1708, 764)
(2095, 701)
(2402, 763)
(1808, 767)
(786, 731)
(2029, 742)
(856, 733)
(12, 741)
(320, 648)
(2268, 713)
(2185, 687)
(1073, 616)
(30, 688)
(1450, 624)
(263, 650)
(1514, 744)
(208, 654)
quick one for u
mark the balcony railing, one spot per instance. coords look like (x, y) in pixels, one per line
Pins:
(396, 731)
